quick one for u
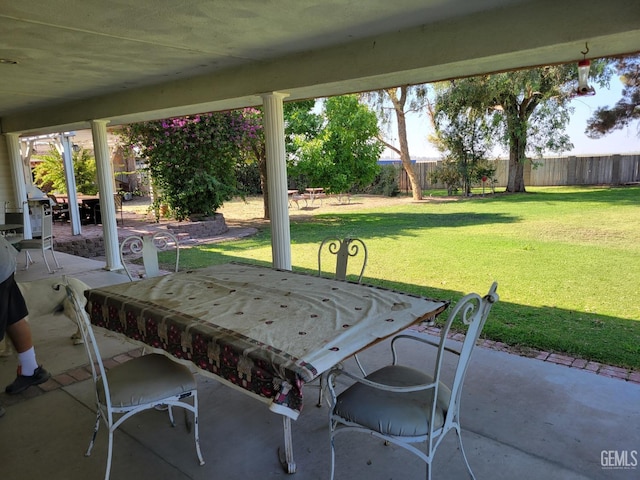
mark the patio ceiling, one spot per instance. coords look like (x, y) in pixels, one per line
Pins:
(129, 60)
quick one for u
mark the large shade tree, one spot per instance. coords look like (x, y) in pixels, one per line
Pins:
(531, 106)
(464, 135)
(396, 103)
(626, 110)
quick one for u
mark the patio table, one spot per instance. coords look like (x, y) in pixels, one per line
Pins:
(10, 232)
(86, 204)
(10, 226)
(264, 331)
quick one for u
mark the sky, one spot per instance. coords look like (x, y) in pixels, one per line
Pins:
(619, 141)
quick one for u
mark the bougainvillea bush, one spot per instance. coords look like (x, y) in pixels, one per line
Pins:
(191, 159)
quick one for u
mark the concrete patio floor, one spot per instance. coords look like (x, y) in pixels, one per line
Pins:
(522, 418)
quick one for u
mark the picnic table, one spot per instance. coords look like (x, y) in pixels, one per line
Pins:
(315, 193)
(309, 196)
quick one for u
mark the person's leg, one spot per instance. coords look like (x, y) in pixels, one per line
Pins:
(20, 335)
(19, 332)
(29, 372)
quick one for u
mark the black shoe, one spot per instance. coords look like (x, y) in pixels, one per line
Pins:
(22, 382)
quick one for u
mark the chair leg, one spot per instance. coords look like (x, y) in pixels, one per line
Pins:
(95, 434)
(27, 259)
(196, 432)
(333, 451)
(170, 410)
(464, 455)
(44, 257)
(107, 473)
(55, 259)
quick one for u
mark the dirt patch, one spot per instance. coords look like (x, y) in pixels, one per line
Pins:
(250, 212)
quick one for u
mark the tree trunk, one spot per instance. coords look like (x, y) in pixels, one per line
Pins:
(416, 189)
(398, 106)
(516, 172)
(262, 166)
(517, 148)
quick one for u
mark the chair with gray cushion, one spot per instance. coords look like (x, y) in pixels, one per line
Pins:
(140, 384)
(405, 405)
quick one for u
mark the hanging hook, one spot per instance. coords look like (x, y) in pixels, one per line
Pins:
(584, 54)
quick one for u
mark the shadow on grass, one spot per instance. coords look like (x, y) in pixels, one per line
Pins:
(388, 224)
(608, 340)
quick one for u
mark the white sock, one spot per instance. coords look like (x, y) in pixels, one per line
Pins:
(27, 362)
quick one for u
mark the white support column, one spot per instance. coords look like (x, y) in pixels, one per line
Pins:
(18, 175)
(70, 181)
(105, 186)
(273, 120)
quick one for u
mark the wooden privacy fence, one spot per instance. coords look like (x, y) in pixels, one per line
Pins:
(583, 170)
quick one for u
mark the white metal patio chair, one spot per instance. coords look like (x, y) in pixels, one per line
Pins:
(404, 405)
(147, 248)
(44, 242)
(140, 384)
(343, 249)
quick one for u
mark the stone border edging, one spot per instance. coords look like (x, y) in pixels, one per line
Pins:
(626, 374)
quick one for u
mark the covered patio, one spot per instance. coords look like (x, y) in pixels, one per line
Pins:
(71, 67)
(523, 419)
(77, 65)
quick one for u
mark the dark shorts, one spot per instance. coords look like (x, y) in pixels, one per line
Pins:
(12, 305)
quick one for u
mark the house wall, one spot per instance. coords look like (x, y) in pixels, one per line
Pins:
(7, 193)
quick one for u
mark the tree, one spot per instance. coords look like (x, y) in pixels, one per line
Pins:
(404, 99)
(531, 107)
(191, 159)
(464, 135)
(252, 149)
(604, 120)
(49, 172)
(345, 153)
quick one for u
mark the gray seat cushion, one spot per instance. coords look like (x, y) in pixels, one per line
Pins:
(146, 379)
(31, 244)
(390, 413)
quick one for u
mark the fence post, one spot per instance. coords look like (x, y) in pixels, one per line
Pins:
(615, 169)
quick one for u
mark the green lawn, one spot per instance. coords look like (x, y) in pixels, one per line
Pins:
(567, 261)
